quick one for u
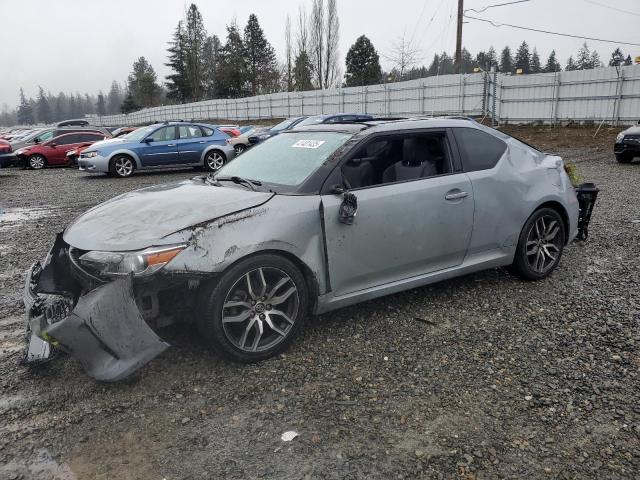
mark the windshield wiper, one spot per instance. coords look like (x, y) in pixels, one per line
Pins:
(239, 181)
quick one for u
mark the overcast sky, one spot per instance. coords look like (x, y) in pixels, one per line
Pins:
(81, 46)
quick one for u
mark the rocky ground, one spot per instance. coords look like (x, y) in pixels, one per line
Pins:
(484, 376)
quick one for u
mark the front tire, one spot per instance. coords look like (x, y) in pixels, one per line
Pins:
(540, 245)
(624, 158)
(214, 160)
(255, 310)
(121, 166)
(239, 148)
(36, 162)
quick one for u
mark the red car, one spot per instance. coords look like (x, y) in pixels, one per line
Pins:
(54, 151)
(232, 131)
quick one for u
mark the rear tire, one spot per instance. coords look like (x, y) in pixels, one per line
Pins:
(255, 310)
(121, 166)
(540, 245)
(239, 148)
(214, 160)
(624, 158)
(36, 162)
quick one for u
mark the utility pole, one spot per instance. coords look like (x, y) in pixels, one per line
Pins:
(458, 59)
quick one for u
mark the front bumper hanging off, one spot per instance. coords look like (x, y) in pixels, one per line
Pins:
(587, 194)
(102, 328)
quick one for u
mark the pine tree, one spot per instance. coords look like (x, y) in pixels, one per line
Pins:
(195, 37)
(260, 58)
(232, 71)
(595, 60)
(506, 61)
(25, 111)
(302, 73)
(571, 65)
(101, 105)
(129, 104)
(552, 63)
(535, 62)
(114, 98)
(492, 58)
(467, 63)
(177, 83)
(583, 61)
(362, 64)
(142, 84)
(43, 107)
(212, 51)
(523, 58)
(60, 107)
(434, 68)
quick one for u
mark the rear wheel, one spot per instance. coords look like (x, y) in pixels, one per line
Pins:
(37, 162)
(255, 310)
(121, 166)
(540, 245)
(213, 161)
(624, 158)
(239, 148)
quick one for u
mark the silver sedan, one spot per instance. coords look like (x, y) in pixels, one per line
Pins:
(309, 221)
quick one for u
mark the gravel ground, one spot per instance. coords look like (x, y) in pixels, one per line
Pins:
(484, 376)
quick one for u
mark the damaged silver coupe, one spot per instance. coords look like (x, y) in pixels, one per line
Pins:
(309, 221)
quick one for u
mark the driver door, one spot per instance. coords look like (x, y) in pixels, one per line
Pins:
(162, 149)
(402, 229)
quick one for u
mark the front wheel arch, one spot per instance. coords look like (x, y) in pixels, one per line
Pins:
(213, 150)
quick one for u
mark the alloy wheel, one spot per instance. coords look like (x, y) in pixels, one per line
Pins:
(123, 166)
(215, 161)
(260, 309)
(544, 244)
(36, 162)
(239, 149)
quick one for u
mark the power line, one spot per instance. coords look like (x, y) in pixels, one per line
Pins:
(612, 8)
(496, 5)
(500, 24)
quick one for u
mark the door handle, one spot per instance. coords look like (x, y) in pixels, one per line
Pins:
(202, 142)
(171, 145)
(452, 195)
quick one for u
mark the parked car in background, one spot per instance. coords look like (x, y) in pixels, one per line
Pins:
(627, 145)
(335, 118)
(163, 145)
(74, 122)
(119, 132)
(7, 158)
(241, 142)
(231, 131)
(283, 126)
(54, 152)
(273, 237)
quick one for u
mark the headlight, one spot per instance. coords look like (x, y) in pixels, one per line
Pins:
(263, 137)
(140, 263)
(88, 154)
(619, 137)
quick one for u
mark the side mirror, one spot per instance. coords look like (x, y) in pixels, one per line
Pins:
(148, 140)
(348, 208)
(52, 144)
(36, 140)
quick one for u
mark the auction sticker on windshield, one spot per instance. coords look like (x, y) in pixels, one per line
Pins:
(307, 144)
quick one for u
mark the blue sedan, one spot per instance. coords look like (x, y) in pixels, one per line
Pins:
(164, 145)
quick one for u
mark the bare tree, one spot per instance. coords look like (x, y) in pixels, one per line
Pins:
(288, 54)
(403, 55)
(332, 35)
(302, 37)
(317, 30)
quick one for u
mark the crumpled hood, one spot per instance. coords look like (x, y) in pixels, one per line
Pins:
(142, 218)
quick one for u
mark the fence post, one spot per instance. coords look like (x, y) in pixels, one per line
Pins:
(556, 98)
(321, 101)
(618, 100)
(423, 91)
(270, 106)
(288, 104)
(302, 104)
(493, 100)
(462, 85)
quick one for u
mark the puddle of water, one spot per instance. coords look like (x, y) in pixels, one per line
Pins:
(41, 467)
(14, 217)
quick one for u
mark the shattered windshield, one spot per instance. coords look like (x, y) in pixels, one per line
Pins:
(287, 159)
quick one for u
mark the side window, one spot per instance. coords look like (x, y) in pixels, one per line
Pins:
(190, 131)
(164, 134)
(479, 150)
(207, 132)
(67, 139)
(45, 136)
(398, 158)
(89, 137)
